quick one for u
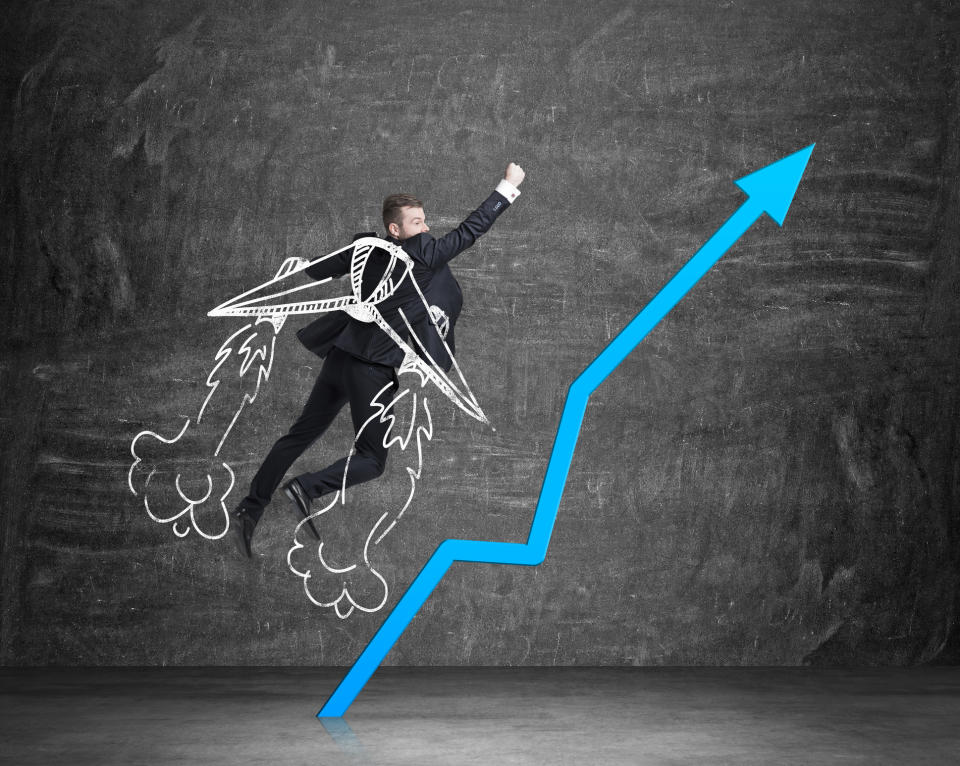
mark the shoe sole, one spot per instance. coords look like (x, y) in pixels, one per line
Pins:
(236, 531)
(298, 510)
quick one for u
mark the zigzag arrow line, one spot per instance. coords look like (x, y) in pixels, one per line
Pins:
(769, 190)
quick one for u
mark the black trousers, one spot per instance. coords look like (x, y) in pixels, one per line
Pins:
(343, 378)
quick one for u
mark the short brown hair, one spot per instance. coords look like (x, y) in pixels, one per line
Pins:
(393, 208)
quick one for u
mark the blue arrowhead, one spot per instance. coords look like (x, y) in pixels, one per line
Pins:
(773, 187)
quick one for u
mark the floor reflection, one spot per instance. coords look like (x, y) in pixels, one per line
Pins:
(343, 736)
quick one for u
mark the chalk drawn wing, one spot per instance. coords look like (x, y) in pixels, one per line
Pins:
(290, 293)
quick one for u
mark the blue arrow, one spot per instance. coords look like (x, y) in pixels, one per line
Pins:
(769, 190)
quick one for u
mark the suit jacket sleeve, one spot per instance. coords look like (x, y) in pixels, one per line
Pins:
(437, 252)
(339, 264)
(336, 266)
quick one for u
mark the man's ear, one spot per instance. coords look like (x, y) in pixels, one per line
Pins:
(394, 230)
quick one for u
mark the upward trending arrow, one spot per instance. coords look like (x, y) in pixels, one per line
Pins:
(769, 190)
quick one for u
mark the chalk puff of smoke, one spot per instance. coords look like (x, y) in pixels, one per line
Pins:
(409, 425)
(188, 499)
(328, 580)
(328, 585)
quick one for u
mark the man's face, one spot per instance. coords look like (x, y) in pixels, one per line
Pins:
(411, 224)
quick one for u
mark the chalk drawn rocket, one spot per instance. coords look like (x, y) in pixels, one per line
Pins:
(352, 583)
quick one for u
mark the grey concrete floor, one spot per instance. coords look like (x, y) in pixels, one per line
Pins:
(482, 716)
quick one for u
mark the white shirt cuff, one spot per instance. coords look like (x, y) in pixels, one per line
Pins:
(508, 190)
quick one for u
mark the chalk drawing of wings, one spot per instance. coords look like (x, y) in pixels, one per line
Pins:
(295, 293)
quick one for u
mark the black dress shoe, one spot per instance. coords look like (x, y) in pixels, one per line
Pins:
(242, 525)
(301, 503)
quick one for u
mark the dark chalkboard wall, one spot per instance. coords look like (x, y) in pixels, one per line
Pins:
(771, 477)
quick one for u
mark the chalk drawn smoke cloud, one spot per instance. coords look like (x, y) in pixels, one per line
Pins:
(344, 578)
(181, 479)
(188, 497)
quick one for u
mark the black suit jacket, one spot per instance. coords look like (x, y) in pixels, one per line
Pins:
(431, 257)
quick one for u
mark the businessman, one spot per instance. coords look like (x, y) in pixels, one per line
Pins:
(361, 359)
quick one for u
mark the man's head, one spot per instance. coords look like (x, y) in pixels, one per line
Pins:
(403, 216)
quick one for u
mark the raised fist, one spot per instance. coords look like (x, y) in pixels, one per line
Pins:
(514, 174)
